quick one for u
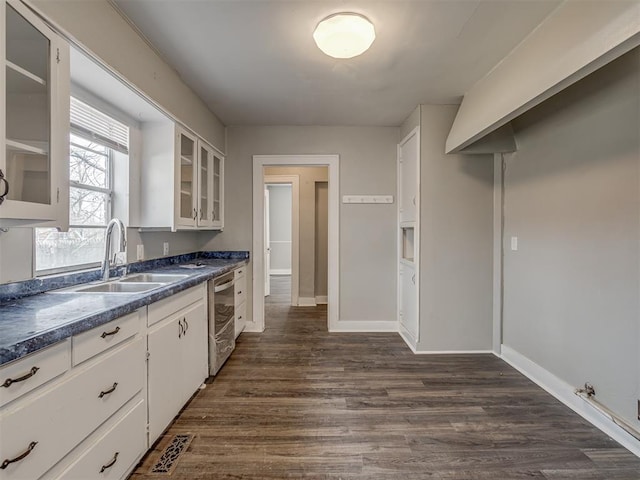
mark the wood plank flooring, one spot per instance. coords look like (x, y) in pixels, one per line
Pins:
(298, 402)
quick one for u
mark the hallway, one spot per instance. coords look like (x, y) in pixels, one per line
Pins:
(298, 402)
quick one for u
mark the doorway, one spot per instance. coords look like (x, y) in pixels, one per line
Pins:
(281, 231)
(265, 167)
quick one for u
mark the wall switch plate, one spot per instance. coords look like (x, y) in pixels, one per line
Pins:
(514, 244)
(139, 252)
(165, 248)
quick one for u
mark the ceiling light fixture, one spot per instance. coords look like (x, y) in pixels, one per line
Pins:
(344, 35)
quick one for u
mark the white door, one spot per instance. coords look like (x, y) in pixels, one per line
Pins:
(267, 242)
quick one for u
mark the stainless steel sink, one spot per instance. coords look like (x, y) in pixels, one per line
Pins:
(152, 277)
(112, 287)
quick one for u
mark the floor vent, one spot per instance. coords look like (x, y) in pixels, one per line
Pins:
(171, 454)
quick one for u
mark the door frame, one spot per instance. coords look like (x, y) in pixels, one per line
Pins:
(261, 161)
(294, 181)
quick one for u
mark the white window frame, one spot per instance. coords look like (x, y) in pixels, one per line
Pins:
(73, 184)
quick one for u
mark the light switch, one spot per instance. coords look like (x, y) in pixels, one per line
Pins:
(514, 244)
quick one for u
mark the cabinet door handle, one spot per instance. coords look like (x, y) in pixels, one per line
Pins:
(10, 381)
(195, 214)
(186, 325)
(111, 463)
(107, 392)
(9, 461)
(6, 187)
(112, 332)
(413, 279)
(180, 329)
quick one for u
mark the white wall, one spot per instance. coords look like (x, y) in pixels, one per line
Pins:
(280, 228)
(572, 197)
(367, 232)
(456, 242)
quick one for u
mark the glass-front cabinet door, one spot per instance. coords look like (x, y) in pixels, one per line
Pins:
(205, 183)
(218, 192)
(33, 162)
(186, 159)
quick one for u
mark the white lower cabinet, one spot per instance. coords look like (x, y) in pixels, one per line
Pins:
(177, 363)
(51, 423)
(81, 409)
(114, 450)
(408, 303)
(240, 293)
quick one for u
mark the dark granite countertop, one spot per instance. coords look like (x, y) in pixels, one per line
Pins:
(30, 323)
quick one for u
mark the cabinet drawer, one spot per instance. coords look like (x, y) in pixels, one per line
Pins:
(38, 368)
(64, 415)
(241, 313)
(112, 455)
(239, 272)
(168, 306)
(99, 339)
(240, 290)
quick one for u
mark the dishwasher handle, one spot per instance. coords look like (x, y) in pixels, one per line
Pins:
(223, 286)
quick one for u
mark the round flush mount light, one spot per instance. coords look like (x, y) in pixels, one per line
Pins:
(344, 35)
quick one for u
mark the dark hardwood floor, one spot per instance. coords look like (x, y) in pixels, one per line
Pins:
(298, 402)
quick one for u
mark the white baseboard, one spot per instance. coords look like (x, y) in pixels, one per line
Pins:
(419, 351)
(408, 339)
(565, 393)
(306, 301)
(280, 271)
(364, 326)
(322, 299)
(251, 327)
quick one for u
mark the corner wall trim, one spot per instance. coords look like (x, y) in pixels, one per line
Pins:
(364, 326)
(565, 393)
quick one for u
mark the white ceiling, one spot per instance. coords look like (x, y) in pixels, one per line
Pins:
(254, 62)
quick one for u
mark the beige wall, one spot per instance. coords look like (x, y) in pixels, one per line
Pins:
(572, 197)
(322, 235)
(367, 232)
(456, 243)
(308, 176)
(101, 30)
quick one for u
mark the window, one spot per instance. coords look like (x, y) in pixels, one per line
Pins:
(96, 139)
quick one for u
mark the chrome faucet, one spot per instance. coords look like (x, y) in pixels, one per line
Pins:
(106, 262)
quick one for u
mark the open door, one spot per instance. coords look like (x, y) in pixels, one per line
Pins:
(267, 242)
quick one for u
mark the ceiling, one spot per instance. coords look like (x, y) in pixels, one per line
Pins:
(254, 62)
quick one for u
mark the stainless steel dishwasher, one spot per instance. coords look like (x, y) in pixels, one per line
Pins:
(221, 321)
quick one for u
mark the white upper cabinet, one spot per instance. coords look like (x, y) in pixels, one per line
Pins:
(182, 178)
(210, 174)
(186, 175)
(408, 155)
(34, 124)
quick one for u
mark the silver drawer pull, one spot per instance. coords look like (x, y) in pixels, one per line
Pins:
(107, 392)
(10, 381)
(8, 461)
(111, 463)
(112, 332)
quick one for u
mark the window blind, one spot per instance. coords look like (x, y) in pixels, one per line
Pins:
(95, 125)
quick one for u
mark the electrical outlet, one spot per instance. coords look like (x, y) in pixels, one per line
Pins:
(140, 252)
(165, 248)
